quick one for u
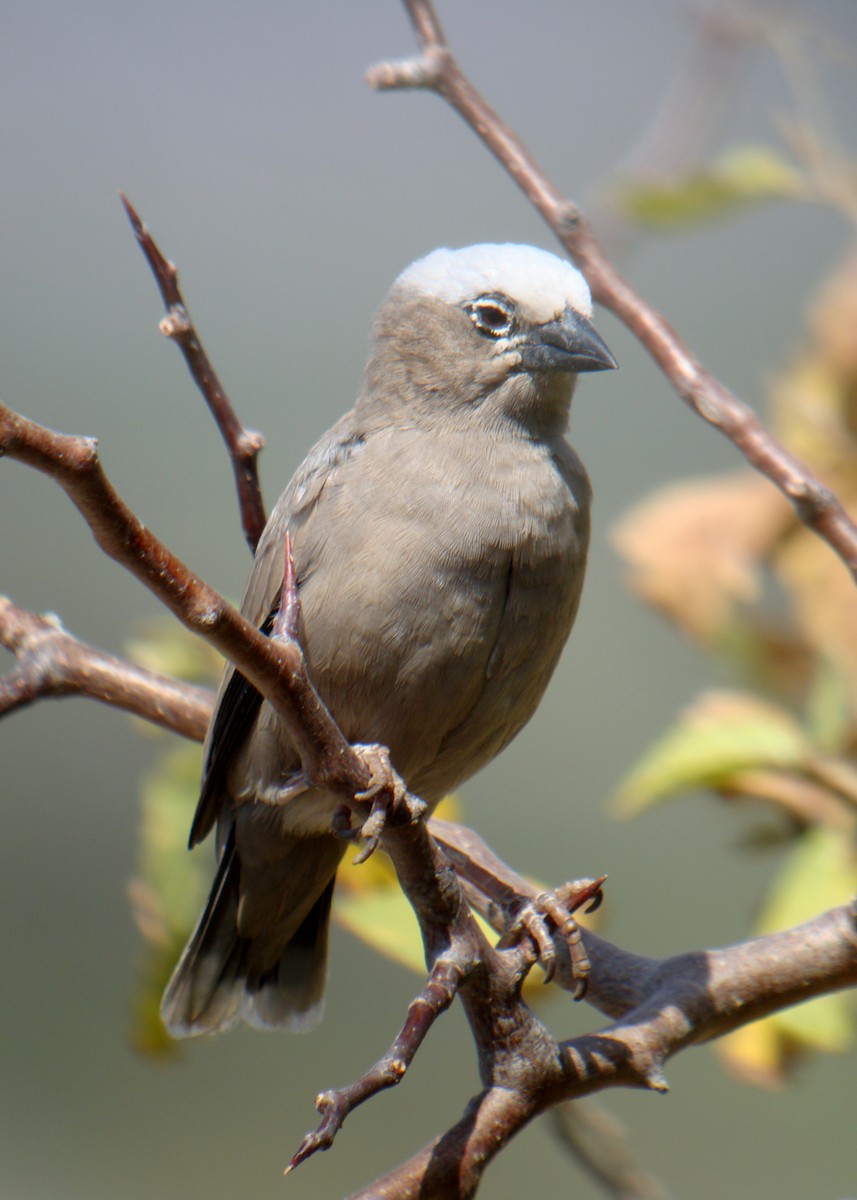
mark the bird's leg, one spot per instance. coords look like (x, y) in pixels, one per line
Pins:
(557, 909)
(511, 906)
(386, 793)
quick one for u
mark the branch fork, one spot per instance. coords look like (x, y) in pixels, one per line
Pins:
(656, 1007)
(440, 990)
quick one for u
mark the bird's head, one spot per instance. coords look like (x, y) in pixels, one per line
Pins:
(500, 330)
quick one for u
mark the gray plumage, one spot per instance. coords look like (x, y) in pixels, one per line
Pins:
(439, 533)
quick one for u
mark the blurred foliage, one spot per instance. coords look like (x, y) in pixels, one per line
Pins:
(717, 741)
(729, 564)
(167, 648)
(744, 175)
(169, 888)
(819, 871)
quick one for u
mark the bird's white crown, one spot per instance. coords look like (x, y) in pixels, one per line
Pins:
(539, 281)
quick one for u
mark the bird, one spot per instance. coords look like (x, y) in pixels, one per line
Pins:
(439, 532)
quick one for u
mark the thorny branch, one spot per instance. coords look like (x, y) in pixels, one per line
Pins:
(243, 445)
(276, 667)
(436, 69)
(440, 990)
(657, 1006)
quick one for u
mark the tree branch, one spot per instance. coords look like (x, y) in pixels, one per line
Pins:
(242, 444)
(275, 667)
(437, 70)
(51, 662)
(658, 1006)
(682, 1000)
(503, 1027)
(441, 988)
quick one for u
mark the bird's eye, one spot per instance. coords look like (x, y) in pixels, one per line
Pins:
(491, 316)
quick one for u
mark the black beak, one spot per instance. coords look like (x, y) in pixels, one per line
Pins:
(568, 344)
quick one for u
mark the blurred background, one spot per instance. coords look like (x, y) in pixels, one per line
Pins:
(290, 196)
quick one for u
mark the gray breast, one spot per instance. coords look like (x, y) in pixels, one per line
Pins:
(435, 613)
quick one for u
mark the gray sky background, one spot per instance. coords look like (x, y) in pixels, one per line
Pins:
(291, 195)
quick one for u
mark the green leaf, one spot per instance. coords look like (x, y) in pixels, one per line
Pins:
(742, 176)
(829, 712)
(722, 733)
(819, 873)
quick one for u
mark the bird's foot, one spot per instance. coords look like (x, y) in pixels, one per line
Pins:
(552, 913)
(387, 795)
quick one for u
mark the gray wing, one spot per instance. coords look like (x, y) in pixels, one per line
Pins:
(238, 702)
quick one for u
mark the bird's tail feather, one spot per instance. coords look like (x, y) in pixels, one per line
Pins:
(291, 996)
(214, 983)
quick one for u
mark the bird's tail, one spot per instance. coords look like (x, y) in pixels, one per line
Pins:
(223, 974)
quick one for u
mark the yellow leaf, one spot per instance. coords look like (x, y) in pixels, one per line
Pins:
(825, 602)
(382, 918)
(754, 1054)
(369, 903)
(819, 873)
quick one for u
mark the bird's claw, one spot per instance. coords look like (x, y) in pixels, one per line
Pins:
(555, 910)
(372, 828)
(386, 792)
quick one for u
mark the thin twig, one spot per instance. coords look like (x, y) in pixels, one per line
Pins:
(441, 988)
(437, 70)
(51, 662)
(600, 1145)
(243, 445)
